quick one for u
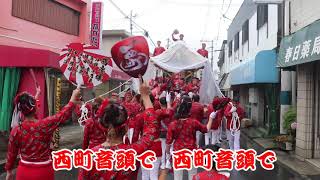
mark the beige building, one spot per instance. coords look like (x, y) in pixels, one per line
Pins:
(109, 38)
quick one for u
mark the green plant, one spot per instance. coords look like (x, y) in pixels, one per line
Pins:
(289, 117)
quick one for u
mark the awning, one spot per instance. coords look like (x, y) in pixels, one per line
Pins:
(300, 47)
(262, 69)
(26, 57)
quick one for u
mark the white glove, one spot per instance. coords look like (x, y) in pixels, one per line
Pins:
(178, 96)
(233, 109)
(190, 94)
(168, 97)
(163, 94)
(213, 115)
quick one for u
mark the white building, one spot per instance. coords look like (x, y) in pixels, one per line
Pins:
(248, 62)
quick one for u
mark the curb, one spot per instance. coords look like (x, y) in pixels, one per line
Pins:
(293, 171)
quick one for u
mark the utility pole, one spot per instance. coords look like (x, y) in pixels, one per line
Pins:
(131, 23)
(210, 49)
(168, 43)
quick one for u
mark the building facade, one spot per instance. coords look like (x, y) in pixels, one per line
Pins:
(300, 52)
(32, 33)
(249, 62)
(110, 38)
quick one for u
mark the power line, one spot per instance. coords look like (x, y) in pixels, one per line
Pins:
(206, 21)
(228, 7)
(219, 24)
(197, 4)
(132, 22)
(118, 8)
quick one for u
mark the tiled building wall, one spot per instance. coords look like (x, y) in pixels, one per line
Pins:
(304, 110)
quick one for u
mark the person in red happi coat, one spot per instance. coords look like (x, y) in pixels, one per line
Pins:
(132, 110)
(178, 83)
(182, 132)
(114, 121)
(212, 174)
(93, 133)
(159, 49)
(234, 114)
(203, 52)
(216, 113)
(32, 137)
(197, 112)
(193, 86)
(165, 116)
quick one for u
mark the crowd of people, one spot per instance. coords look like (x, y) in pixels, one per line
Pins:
(166, 116)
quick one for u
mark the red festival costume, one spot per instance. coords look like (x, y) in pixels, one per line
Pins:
(196, 111)
(158, 50)
(32, 141)
(218, 119)
(93, 134)
(203, 52)
(210, 175)
(192, 88)
(151, 132)
(164, 117)
(183, 133)
(228, 114)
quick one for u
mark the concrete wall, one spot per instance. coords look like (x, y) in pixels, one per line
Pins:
(303, 13)
(108, 42)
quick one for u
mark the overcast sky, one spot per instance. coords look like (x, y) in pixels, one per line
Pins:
(196, 19)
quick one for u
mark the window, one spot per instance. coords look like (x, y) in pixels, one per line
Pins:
(262, 15)
(245, 32)
(236, 42)
(48, 13)
(230, 48)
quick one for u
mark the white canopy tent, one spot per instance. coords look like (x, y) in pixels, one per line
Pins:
(179, 57)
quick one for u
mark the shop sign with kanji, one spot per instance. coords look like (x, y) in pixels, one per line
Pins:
(300, 47)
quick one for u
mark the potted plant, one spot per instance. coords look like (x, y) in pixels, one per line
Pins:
(283, 142)
(290, 126)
